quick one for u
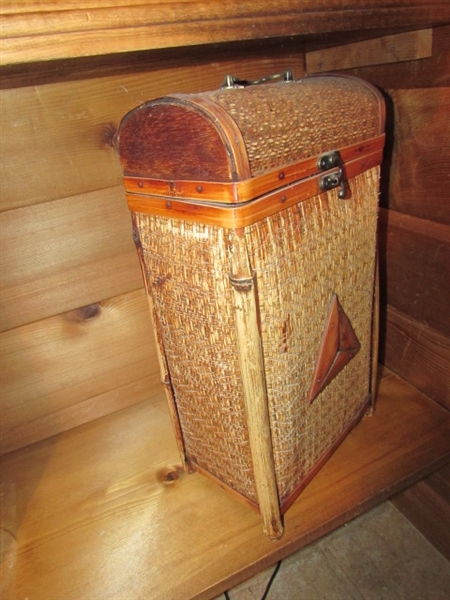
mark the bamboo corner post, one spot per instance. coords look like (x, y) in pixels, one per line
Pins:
(254, 387)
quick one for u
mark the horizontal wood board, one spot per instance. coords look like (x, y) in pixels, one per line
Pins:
(417, 352)
(426, 72)
(58, 137)
(54, 30)
(247, 53)
(395, 48)
(73, 252)
(132, 524)
(415, 268)
(74, 367)
(432, 71)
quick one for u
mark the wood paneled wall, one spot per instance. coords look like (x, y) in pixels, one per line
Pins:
(76, 338)
(415, 217)
(76, 341)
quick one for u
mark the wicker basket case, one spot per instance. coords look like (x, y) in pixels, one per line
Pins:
(254, 214)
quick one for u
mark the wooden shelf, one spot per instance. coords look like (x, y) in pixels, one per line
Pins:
(104, 511)
(56, 29)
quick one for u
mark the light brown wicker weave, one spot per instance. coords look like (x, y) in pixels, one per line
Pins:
(255, 300)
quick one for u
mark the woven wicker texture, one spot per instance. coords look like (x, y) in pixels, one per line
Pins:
(188, 275)
(280, 127)
(301, 256)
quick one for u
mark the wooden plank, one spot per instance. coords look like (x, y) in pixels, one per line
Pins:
(433, 71)
(65, 31)
(428, 72)
(427, 505)
(418, 175)
(417, 353)
(57, 139)
(12, 7)
(75, 367)
(259, 56)
(415, 268)
(36, 7)
(127, 505)
(400, 47)
(60, 255)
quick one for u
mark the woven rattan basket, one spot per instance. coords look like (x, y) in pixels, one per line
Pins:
(255, 211)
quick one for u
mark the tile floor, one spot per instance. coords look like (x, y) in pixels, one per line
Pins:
(378, 556)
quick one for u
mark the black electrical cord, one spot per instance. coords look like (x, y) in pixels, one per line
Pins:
(274, 574)
(268, 586)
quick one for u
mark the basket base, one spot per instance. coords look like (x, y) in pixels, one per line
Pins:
(192, 466)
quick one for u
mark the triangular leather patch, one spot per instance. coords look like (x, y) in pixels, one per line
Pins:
(339, 345)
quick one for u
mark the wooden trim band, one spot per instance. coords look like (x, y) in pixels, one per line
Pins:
(234, 192)
(245, 214)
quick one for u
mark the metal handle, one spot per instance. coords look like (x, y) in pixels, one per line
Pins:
(234, 82)
(332, 180)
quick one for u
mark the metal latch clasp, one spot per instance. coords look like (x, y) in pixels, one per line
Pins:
(332, 180)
